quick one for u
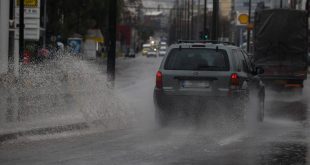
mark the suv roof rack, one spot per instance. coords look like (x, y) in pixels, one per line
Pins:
(206, 41)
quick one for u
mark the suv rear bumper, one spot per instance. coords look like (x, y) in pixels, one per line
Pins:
(175, 102)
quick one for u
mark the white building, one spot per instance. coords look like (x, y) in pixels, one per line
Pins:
(4, 35)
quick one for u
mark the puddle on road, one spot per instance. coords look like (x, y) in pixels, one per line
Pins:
(294, 110)
(289, 105)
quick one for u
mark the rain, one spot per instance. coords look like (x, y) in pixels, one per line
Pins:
(63, 108)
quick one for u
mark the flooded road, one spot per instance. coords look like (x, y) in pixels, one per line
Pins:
(283, 138)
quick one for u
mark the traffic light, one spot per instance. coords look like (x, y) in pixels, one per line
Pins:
(201, 35)
(204, 35)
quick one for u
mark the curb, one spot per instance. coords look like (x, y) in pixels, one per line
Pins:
(44, 131)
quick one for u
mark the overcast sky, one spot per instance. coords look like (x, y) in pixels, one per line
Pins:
(154, 3)
(168, 3)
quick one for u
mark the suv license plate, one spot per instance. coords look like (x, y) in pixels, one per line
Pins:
(195, 84)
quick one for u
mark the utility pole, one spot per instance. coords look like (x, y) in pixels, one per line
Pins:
(205, 17)
(112, 41)
(192, 21)
(198, 28)
(21, 29)
(281, 3)
(215, 19)
(180, 20)
(248, 30)
(183, 30)
(44, 24)
(177, 20)
(184, 19)
(188, 18)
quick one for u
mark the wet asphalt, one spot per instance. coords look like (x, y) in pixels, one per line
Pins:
(282, 139)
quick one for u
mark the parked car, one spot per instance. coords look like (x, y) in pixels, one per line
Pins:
(132, 53)
(203, 73)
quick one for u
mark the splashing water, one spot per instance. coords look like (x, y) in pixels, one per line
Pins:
(62, 87)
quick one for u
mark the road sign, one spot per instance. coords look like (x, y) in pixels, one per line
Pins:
(31, 19)
(30, 23)
(242, 19)
(29, 12)
(29, 3)
(29, 34)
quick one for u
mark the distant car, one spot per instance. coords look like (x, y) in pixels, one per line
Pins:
(152, 53)
(144, 51)
(162, 51)
(146, 48)
(193, 76)
(162, 43)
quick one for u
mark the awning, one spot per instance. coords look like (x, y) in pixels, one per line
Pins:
(95, 34)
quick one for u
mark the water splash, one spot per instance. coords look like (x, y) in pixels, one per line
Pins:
(63, 88)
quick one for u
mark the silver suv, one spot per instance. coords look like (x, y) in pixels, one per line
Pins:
(195, 74)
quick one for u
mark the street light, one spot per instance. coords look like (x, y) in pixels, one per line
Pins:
(205, 17)
(248, 29)
(215, 19)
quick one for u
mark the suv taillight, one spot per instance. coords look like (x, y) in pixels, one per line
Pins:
(234, 80)
(159, 80)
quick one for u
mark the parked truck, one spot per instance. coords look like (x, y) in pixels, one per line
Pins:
(281, 46)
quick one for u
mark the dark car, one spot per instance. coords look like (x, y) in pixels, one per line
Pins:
(195, 75)
(130, 53)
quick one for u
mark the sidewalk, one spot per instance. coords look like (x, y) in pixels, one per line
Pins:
(38, 101)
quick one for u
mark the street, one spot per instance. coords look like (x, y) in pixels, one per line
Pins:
(282, 139)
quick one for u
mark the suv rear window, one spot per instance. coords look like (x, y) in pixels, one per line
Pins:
(197, 59)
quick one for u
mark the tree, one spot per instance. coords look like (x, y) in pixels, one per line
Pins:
(66, 17)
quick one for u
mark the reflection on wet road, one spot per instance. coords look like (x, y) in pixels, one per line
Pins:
(285, 154)
(283, 139)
